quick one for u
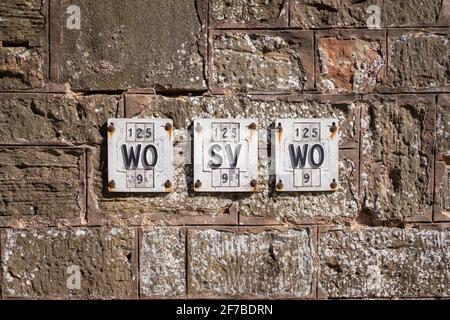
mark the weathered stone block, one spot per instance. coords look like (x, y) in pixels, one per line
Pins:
(442, 191)
(350, 13)
(350, 62)
(22, 20)
(418, 60)
(257, 61)
(384, 263)
(41, 186)
(162, 262)
(48, 118)
(443, 127)
(248, 13)
(123, 44)
(21, 68)
(254, 263)
(78, 263)
(397, 158)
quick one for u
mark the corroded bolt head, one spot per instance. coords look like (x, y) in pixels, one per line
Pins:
(333, 128)
(280, 185)
(111, 184)
(253, 183)
(111, 127)
(252, 126)
(333, 184)
(167, 184)
(168, 126)
(198, 184)
(279, 127)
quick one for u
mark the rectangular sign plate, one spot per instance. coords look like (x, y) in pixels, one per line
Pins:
(306, 154)
(225, 155)
(140, 155)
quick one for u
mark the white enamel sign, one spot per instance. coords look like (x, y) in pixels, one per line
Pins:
(140, 155)
(306, 154)
(225, 155)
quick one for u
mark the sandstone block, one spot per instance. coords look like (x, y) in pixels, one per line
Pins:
(257, 61)
(123, 44)
(21, 68)
(162, 262)
(251, 264)
(78, 263)
(22, 20)
(51, 118)
(384, 263)
(350, 62)
(349, 13)
(248, 13)
(397, 158)
(42, 186)
(418, 60)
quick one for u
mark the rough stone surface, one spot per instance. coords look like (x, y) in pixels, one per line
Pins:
(351, 13)
(397, 158)
(264, 61)
(349, 65)
(443, 126)
(383, 262)
(72, 119)
(40, 263)
(21, 20)
(133, 44)
(248, 12)
(442, 191)
(21, 68)
(162, 262)
(269, 263)
(418, 60)
(41, 185)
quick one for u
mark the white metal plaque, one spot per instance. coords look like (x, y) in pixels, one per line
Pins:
(140, 155)
(306, 154)
(225, 155)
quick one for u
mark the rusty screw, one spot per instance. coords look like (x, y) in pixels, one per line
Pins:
(111, 184)
(198, 184)
(252, 126)
(168, 126)
(280, 185)
(279, 127)
(333, 128)
(253, 183)
(168, 184)
(333, 184)
(111, 127)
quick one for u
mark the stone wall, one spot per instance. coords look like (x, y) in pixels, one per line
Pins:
(384, 233)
